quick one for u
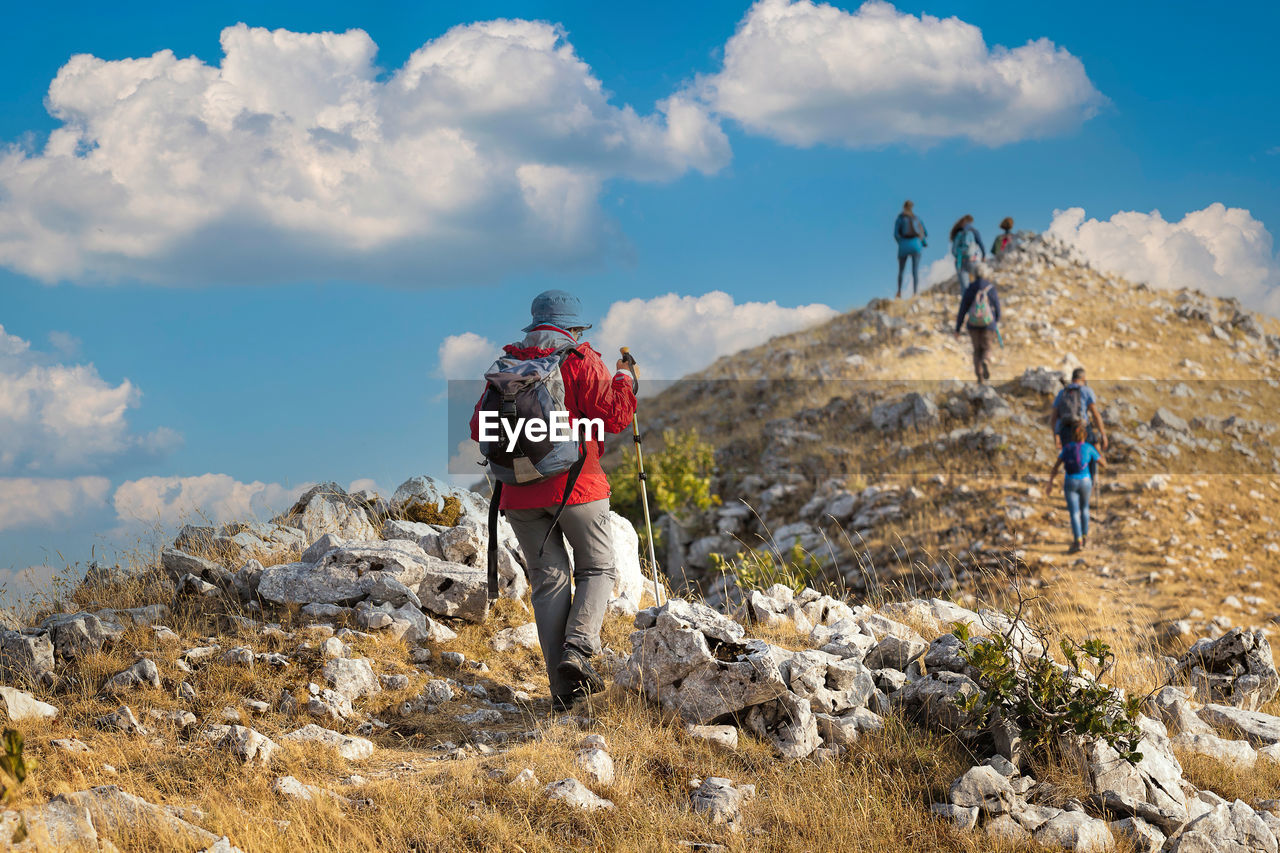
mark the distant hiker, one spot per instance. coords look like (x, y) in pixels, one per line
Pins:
(1004, 240)
(571, 505)
(912, 237)
(966, 248)
(1076, 404)
(1079, 458)
(980, 312)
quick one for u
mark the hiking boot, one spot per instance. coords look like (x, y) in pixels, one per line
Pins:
(563, 702)
(1075, 547)
(986, 371)
(576, 667)
(1084, 542)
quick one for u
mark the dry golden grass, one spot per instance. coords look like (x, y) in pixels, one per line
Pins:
(413, 796)
(1262, 782)
(877, 798)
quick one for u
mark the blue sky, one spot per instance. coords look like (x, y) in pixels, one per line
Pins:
(264, 355)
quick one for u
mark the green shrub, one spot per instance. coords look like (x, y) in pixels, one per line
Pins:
(678, 477)
(762, 569)
(1047, 701)
(15, 766)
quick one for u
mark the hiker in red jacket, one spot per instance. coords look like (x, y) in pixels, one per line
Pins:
(568, 615)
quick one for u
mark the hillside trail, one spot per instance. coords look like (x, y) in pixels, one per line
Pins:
(1110, 565)
(1183, 518)
(1112, 571)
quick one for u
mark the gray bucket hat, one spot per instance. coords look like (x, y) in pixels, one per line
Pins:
(557, 308)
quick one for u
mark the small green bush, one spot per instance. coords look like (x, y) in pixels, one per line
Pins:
(14, 769)
(679, 478)
(1047, 701)
(762, 569)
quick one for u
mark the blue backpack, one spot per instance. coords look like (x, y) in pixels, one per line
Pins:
(965, 246)
(1073, 458)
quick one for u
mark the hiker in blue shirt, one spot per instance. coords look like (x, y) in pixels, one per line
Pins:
(1076, 456)
(1077, 403)
(966, 248)
(980, 312)
(909, 231)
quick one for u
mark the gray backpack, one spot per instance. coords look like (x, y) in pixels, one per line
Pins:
(1071, 407)
(526, 388)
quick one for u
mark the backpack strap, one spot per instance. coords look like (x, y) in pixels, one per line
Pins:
(571, 480)
(494, 512)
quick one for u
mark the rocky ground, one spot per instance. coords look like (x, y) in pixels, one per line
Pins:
(347, 686)
(336, 679)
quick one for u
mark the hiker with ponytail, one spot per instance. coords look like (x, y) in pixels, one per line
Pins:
(966, 248)
(1076, 456)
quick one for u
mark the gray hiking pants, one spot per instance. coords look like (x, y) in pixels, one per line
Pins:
(567, 614)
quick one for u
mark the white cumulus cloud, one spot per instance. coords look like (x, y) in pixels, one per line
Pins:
(367, 483)
(1221, 250)
(296, 157)
(466, 356)
(39, 501)
(464, 469)
(806, 73)
(936, 272)
(215, 498)
(673, 335)
(58, 416)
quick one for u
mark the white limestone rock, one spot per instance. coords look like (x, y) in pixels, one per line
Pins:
(572, 792)
(352, 677)
(249, 745)
(347, 746)
(18, 705)
(721, 801)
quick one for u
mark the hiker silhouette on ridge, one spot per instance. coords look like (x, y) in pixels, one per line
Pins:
(912, 237)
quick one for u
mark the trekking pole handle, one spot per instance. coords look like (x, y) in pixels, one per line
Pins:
(631, 365)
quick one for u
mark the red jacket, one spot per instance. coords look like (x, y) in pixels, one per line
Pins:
(589, 392)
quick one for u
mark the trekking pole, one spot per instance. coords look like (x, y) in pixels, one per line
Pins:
(644, 491)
